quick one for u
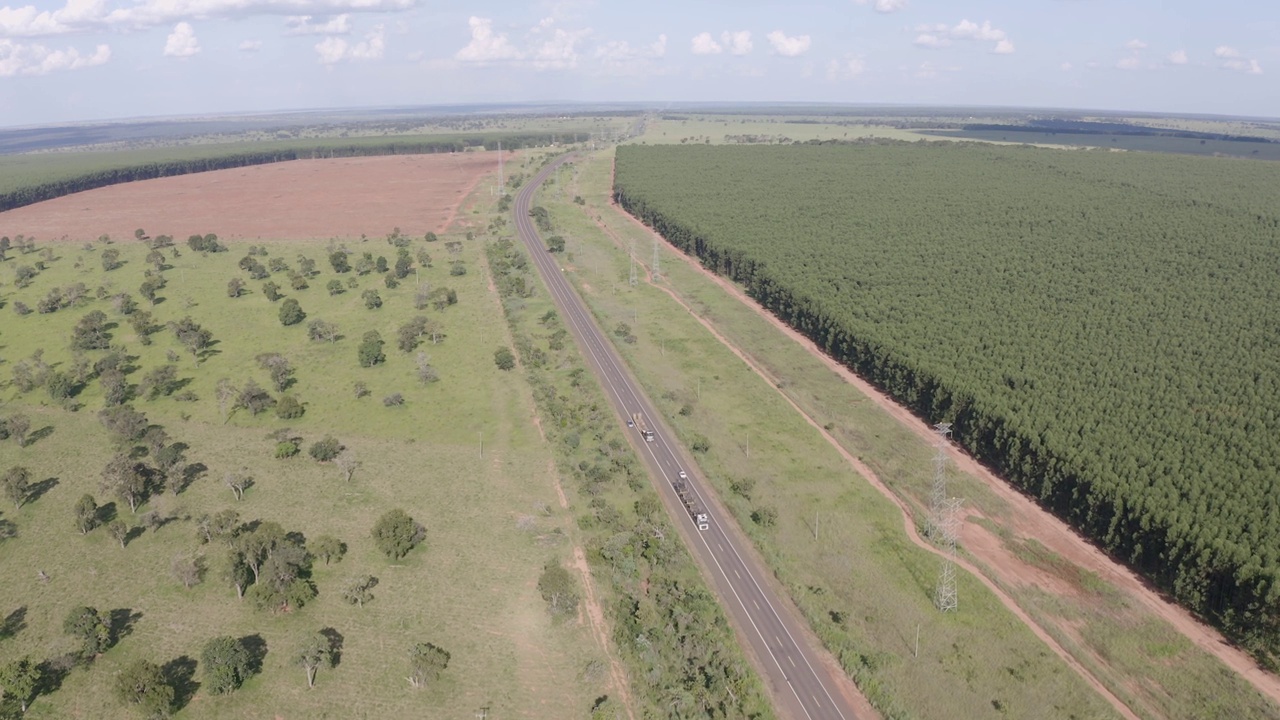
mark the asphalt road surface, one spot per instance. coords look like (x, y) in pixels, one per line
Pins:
(802, 686)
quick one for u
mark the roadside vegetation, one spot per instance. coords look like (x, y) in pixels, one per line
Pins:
(1086, 321)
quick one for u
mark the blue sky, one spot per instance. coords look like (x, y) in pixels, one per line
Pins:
(73, 60)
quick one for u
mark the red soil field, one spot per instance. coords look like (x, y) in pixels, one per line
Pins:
(297, 200)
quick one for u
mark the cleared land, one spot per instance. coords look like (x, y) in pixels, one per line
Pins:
(1105, 618)
(492, 518)
(343, 198)
(992, 314)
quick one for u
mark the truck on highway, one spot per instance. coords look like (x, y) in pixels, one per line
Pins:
(690, 501)
(645, 432)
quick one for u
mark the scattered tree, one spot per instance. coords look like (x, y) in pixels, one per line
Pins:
(370, 350)
(18, 425)
(504, 359)
(358, 591)
(227, 663)
(119, 531)
(338, 259)
(320, 330)
(393, 400)
(396, 534)
(291, 312)
(161, 380)
(193, 337)
(91, 628)
(86, 513)
(271, 291)
(91, 332)
(280, 369)
(142, 683)
(225, 392)
(238, 482)
(426, 662)
(555, 244)
(316, 651)
(557, 587)
(150, 287)
(347, 463)
(187, 569)
(110, 259)
(326, 449)
(124, 478)
(253, 398)
(16, 483)
(289, 408)
(335, 287)
(371, 299)
(125, 424)
(328, 548)
(19, 680)
(235, 286)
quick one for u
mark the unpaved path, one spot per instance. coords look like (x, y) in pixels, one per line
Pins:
(1028, 519)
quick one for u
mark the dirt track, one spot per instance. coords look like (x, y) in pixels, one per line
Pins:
(1029, 519)
(297, 200)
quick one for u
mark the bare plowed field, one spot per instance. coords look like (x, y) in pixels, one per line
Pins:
(296, 200)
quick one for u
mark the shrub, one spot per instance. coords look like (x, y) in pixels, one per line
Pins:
(291, 312)
(326, 449)
(393, 400)
(396, 534)
(336, 287)
(288, 408)
(504, 359)
(286, 449)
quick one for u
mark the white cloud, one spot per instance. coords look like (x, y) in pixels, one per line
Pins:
(884, 6)
(930, 71)
(1226, 51)
(85, 15)
(250, 46)
(939, 35)
(485, 46)
(703, 44)
(335, 49)
(1250, 67)
(1135, 44)
(659, 46)
(302, 25)
(846, 68)
(928, 40)
(1178, 57)
(182, 42)
(1129, 63)
(29, 22)
(737, 42)
(34, 59)
(560, 51)
(788, 46)
(1066, 67)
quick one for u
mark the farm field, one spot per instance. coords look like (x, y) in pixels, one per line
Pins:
(993, 319)
(458, 454)
(360, 196)
(697, 129)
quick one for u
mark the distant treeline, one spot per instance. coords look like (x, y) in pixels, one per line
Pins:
(235, 158)
(1083, 127)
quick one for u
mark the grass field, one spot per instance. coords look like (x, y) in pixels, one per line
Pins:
(861, 565)
(491, 514)
(729, 129)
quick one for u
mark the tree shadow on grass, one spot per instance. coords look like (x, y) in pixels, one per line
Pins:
(38, 435)
(135, 532)
(257, 648)
(13, 623)
(121, 625)
(7, 530)
(106, 513)
(335, 644)
(37, 491)
(190, 474)
(53, 671)
(180, 674)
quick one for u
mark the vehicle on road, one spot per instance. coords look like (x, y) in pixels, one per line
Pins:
(684, 475)
(690, 501)
(645, 432)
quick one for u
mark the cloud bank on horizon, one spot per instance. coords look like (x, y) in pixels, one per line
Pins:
(71, 60)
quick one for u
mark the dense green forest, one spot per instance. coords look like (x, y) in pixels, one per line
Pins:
(29, 179)
(1101, 328)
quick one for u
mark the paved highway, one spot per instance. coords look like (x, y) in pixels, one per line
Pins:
(782, 653)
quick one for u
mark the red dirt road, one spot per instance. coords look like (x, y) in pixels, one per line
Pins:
(297, 200)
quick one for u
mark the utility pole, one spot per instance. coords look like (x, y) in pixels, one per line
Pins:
(633, 262)
(657, 260)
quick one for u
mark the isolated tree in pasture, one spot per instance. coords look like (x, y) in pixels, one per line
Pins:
(557, 587)
(372, 300)
(86, 513)
(227, 664)
(370, 350)
(335, 287)
(187, 569)
(125, 424)
(16, 483)
(225, 393)
(150, 288)
(555, 244)
(426, 373)
(410, 333)
(90, 333)
(154, 439)
(396, 533)
(338, 259)
(115, 388)
(298, 281)
(253, 398)
(306, 265)
(347, 463)
(279, 367)
(426, 662)
(124, 478)
(235, 286)
(18, 425)
(326, 449)
(59, 385)
(271, 291)
(380, 266)
(19, 680)
(90, 627)
(359, 590)
(319, 330)
(192, 336)
(328, 548)
(290, 408)
(391, 281)
(504, 359)
(221, 526)
(110, 259)
(364, 265)
(291, 312)
(161, 380)
(119, 531)
(236, 572)
(238, 482)
(156, 259)
(283, 585)
(142, 683)
(315, 652)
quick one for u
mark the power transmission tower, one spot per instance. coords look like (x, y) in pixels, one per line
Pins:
(657, 260)
(938, 493)
(947, 598)
(633, 262)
